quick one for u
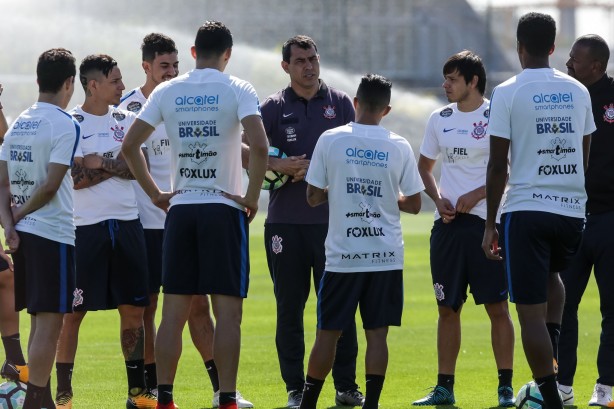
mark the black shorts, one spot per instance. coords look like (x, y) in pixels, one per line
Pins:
(379, 294)
(458, 262)
(44, 275)
(535, 244)
(111, 265)
(153, 242)
(206, 250)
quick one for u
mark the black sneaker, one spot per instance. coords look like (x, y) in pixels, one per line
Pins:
(294, 399)
(349, 398)
(438, 396)
(15, 373)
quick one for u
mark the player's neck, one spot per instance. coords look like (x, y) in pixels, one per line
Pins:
(471, 103)
(148, 88)
(54, 99)
(95, 107)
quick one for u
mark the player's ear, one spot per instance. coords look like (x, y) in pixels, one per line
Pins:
(145, 66)
(387, 110)
(355, 103)
(193, 51)
(551, 49)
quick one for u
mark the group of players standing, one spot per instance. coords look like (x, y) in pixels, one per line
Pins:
(187, 138)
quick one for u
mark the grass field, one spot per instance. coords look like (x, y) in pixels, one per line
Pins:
(99, 378)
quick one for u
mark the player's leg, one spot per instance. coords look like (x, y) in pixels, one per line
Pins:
(376, 363)
(502, 338)
(202, 328)
(290, 271)
(14, 367)
(65, 358)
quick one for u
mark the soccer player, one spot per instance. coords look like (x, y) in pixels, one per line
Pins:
(457, 132)
(110, 244)
(542, 118)
(160, 63)
(205, 245)
(36, 210)
(294, 233)
(368, 174)
(588, 60)
(14, 367)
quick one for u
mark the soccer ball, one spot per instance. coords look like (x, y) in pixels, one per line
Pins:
(272, 179)
(529, 397)
(12, 395)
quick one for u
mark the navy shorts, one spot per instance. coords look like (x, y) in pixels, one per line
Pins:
(535, 244)
(153, 242)
(206, 250)
(458, 262)
(44, 275)
(111, 265)
(379, 294)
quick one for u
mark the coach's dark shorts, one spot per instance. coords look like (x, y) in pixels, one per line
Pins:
(379, 294)
(111, 265)
(153, 242)
(535, 244)
(44, 275)
(206, 250)
(458, 261)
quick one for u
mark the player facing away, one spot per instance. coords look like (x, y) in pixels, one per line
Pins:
(543, 119)
(368, 175)
(110, 245)
(36, 211)
(457, 133)
(206, 236)
(14, 367)
(588, 60)
(294, 232)
(160, 64)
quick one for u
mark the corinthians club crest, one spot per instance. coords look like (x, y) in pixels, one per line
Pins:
(479, 130)
(608, 115)
(329, 112)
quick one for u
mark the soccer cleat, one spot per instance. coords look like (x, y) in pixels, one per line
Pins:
(602, 395)
(63, 400)
(14, 372)
(438, 396)
(566, 393)
(506, 396)
(349, 398)
(241, 401)
(143, 400)
(294, 399)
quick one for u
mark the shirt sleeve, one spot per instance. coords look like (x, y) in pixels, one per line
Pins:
(248, 101)
(411, 182)
(151, 112)
(64, 143)
(317, 175)
(499, 123)
(430, 144)
(589, 126)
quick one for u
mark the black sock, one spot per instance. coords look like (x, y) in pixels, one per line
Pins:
(311, 392)
(227, 397)
(554, 330)
(136, 376)
(48, 401)
(64, 374)
(447, 381)
(151, 379)
(165, 394)
(505, 377)
(550, 392)
(34, 397)
(12, 348)
(212, 372)
(375, 383)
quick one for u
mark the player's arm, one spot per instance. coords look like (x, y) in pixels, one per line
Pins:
(257, 163)
(496, 178)
(115, 167)
(586, 148)
(83, 177)
(466, 202)
(295, 166)
(410, 204)
(444, 207)
(43, 193)
(135, 159)
(316, 196)
(6, 216)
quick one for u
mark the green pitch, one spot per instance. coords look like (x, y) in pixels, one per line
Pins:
(99, 379)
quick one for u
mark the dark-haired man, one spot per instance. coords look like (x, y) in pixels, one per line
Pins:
(294, 232)
(205, 245)
(588, 60)
(355, 274)
(110, 244)
(542, 119)
(37, 214)
(457, 132)
(160, 63)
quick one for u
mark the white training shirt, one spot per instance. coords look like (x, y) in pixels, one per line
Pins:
(159, 152)
(42, 134)
(364, 167)
(461, 139)
(545, 114)
(201, 111)
(114, 198)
